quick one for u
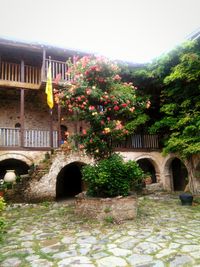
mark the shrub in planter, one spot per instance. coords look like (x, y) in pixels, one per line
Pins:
(112, 177)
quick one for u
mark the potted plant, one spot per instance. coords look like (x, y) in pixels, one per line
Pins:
(112, 177)
(147, 179)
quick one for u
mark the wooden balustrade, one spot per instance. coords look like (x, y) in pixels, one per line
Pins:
(10, 137)
(57, 67)
(32, 74)
(140, 141)
(12, 72)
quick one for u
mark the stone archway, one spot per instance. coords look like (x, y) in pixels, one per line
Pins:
(19, 166)
(17, 156)
(69, 181)
(179, 175)
(147, 166)
(175, 174)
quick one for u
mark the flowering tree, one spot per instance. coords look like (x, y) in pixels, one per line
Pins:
(97, 95)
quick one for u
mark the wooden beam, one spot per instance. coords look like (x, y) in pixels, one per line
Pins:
(43, 78)
(22, 71)
(19, 85)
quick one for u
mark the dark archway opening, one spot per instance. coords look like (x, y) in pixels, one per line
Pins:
(148, 167)
(180, 174)
(69, 181)
(19, 166)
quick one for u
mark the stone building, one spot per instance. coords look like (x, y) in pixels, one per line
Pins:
(29, 132)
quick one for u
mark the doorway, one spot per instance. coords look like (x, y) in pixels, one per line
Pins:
(148, 167)
(69, 181)
(179, 174)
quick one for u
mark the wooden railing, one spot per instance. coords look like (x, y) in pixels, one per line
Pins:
(10, 137)
(12, 72)
(57, 67)
(32, 74)
(140, 141)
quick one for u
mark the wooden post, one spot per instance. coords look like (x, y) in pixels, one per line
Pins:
(22, 71)
(59, 125)
(43, 76)
(51, 127)
(22, 117)
(22, 105)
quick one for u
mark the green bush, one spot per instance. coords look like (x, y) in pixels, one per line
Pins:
(112, 177)
(2, 204)
(2, 219)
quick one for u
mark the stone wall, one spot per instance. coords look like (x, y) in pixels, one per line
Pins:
(45, 188)
(116, 209)
(36, 111)
(29, 157)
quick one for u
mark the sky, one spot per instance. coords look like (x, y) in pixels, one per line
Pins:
(130, 30)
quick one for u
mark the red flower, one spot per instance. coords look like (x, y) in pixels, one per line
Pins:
(116, 108)
(84, 131)
(124, 105)
(88, 91)
(91, 108)
(117, 77)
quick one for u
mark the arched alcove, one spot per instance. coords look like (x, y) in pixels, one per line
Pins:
(147, 166)
(179, 174)
(69, 181)
(19, 166)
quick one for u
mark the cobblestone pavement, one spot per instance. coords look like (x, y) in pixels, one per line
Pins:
(50, 234)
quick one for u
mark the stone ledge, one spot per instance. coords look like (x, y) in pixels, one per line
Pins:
(118, 208)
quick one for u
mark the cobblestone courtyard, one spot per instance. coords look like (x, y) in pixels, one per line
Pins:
(50, 234)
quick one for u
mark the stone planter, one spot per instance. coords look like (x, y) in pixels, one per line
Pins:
(116, 209)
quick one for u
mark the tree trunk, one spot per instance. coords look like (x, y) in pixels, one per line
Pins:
(193, 166)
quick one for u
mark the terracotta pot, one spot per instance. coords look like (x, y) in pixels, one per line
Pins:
(1, 193)
(10, 176)
(148, 180)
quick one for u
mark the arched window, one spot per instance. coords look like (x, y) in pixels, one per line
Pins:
(17, 125)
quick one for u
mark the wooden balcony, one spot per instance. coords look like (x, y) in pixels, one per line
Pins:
(31, 77)
(20, 76)
(11, 138)
(140, 142)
